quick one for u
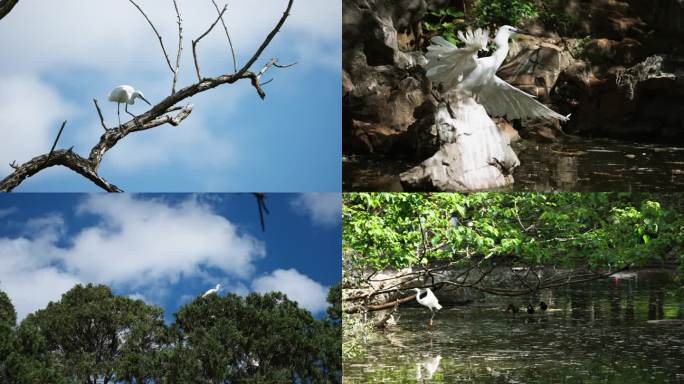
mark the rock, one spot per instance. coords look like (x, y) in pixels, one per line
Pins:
(533, 65)
(384, 89)
(641, 102)
(476, 154)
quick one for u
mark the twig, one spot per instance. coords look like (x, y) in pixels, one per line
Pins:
(6, 6)
(261, 203)
(99, 112)
(180, 47)
(156, 116)
(268, 39)
(194, 42)
(56, 139)
(161, 42)
(230, 42)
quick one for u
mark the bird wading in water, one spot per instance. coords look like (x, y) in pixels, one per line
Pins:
(428, 299)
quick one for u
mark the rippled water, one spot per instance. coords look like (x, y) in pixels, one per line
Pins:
(581, 165)
(597, 334)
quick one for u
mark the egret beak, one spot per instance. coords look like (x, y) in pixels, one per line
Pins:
(522, 32)
(145, 100)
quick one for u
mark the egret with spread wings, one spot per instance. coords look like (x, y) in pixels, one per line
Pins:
(460, 70)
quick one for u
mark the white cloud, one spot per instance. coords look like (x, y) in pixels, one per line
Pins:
(138, 244)
(29, 116)
(306, 292)
(28, 274)
(112, 35)
(110, 42)
(322, 208)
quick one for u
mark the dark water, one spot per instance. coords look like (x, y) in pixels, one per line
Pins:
(580, 165)
(596, 334)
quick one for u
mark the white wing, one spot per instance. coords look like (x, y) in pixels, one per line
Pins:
(431, 299)
(448, 64)
(502, 99)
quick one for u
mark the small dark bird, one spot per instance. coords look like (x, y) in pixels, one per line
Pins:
(530, 309)
(453, 220)
(512, 308)
(543, 306)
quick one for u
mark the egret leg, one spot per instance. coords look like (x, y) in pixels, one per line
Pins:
(126, 108)
(118, 112)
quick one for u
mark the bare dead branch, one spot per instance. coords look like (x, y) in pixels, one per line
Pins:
(61, 157)
(180, 46)
(57, 138)
(156, 116)
(6, 7)
(230, 42)
(99, 113)
(161, 42)
(261, 204)
(194, 42)
(268, 39)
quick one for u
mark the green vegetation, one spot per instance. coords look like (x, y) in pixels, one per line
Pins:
(492, 14)
(592, 230)
(445, 22)
(91, 333)
(495, 13)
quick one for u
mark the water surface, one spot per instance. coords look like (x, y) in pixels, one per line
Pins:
(595, 334)
(583, 165)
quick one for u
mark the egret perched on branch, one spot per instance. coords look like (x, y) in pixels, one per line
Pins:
(212, 291)
(460, 70)
(125, 94)
(429, 300)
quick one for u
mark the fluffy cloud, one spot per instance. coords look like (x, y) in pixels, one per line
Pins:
(323, 208)
(306, 292)
(140, 244)
(113, 36)
(95, 45)
(29, 116)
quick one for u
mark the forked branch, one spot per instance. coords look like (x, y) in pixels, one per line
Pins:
(160, 114)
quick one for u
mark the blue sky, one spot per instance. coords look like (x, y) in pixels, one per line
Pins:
(168, 248)
(233, 141)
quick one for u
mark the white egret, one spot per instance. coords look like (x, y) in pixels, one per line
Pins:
(460, 70)
(125, 94)
(212, 291)
(429, 300)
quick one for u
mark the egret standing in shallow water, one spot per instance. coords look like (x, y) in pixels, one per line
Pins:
(125, 94)
(460, 70)
(429, 300)
(212, 291)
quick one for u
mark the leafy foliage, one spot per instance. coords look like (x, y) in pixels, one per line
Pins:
(92, 334)
(597, 230)
(261, 338)
(445, 22)
(496, 13)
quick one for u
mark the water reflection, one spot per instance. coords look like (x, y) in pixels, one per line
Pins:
(578, 165)
(595, 334)
(427, 368)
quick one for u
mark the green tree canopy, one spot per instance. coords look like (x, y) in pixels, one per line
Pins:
(8, 318)
(256, 339)
(581, 231)
(91, 334)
